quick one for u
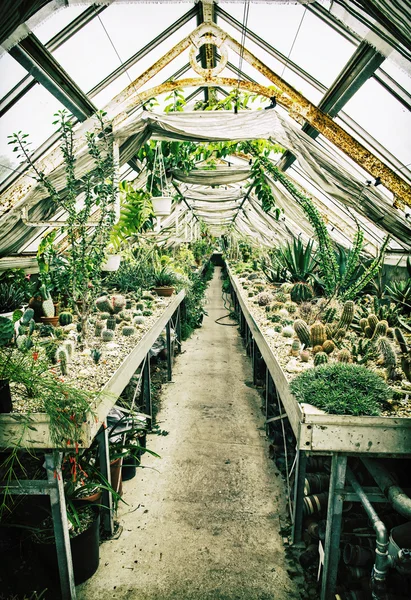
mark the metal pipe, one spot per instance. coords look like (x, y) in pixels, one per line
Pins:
(387, 484)
(382, 558)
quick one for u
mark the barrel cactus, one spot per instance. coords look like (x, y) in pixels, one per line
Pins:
(128, 330)
(317, 349)
(139, 320)
(302, 331)
(301, 292)
(328, 346)
(264, 298)
(304, 355)
(111, 323)
(320, 359)
(318, 334)
(291, 307)
(65, 318)
(287, 332)
(107, 335)
(140, 306)
(344, 356)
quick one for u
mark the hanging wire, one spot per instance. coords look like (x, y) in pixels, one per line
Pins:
(242, 45)
(294, 40)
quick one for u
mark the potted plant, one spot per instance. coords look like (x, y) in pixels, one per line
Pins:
(164, 281)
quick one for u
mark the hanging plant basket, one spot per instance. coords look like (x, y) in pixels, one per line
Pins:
(112, 263)
(161, 205)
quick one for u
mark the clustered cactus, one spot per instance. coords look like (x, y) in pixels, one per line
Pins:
(111, 304)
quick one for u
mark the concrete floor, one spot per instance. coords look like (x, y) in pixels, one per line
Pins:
(202, 522)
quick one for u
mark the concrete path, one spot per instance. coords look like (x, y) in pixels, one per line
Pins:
(202, 522)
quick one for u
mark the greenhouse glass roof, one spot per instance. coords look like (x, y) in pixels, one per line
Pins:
(339, 71)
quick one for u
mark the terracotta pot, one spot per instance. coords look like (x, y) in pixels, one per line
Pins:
(164, 291)
(92, 499)
(50, 321)
(115, 475)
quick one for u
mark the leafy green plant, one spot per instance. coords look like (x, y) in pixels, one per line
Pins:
(136, 214)
(298, 260)
(399, 292)
(165, 277)
(11, 297)
(342, 389)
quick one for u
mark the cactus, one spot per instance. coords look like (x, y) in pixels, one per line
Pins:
(65, 318)
(390, 333)
(302, 331)
(318, 334)
(277, 305)
(320, 359)
(32, 326)
(328, 346)
(111, 323)
(368, 331)
(388, 355)
(98, 328)
(48, 307)
(278, 328)
(22, 330)
(329, 315)
(118, 303)
(107, 335)
(344, 356)
(304, 355)
(128, 330)
(347, 315)
(95, 354)
(363, 324)
(286, 287)
(317, 349)
(147, 313)
(287, 332)
(340, 334)
(405, 353)
(147, 296)
(380, 330)
(103, 304)
(27, 316)
(139, 320)
(129, 304)
(275, 318)
(295, 347)
(113, 305)
(291, 307)
(264, 298)
(372, 322)
(140, 306)
(23, 342)
(301, 292)
(125, 316)
(329, 331)
(281, 297)
(104, 316)
(62, 359)
(69, 347)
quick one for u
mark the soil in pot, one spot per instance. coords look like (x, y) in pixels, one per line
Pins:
(84, 547)
(6, 405)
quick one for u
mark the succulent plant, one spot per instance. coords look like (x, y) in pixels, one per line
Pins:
(111, 323)
(98, 328)
(65, 318)
(147, 296)
(69, 346)
(147, 313)
(295, 347)
(344, 356)
(304, 355)
(320, 358)
(140, 306)
(6, 331)
(287, 331)
(347, 315)
(277, 305)
(278, 328)
(301, 292)
(380, 330)
(283, 312)
(281, 297)
(291, 307)
(389, 357)
(405, 353)
(104, 316)
(302, 331)
(318, 335)
(264, 298)
(62, 359)
(139, 320)
(27, 316)
(328, 346)
(112, 305)
(48, 307)
(340, 334)
(95, 354)
(329, 315)
(363, 324)
(103, 304)
(317, 349)
(125, 316)
(128, 330)
(107, 335)
(286, 287)
(372, 321)
(275, 318)
(129, 304)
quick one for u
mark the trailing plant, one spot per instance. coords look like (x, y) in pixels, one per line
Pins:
(342, 389)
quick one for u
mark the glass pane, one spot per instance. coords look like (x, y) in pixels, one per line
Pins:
(11, 73)
(33, 114)
(59, 19)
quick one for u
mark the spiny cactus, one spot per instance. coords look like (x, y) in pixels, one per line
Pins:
(363, 324)
(103, 304)
(23, 330)
(104, 316)
(27, 316)
(125, 316)
(287, 332)
(304, 355)
(65, 318)
(369, 331)
(344, 356)
(328, 346)
(286, 287)
(128, 330)
(111, 323)
(23, 342)
(69, 346)
(48, 307)
(388, 355)
(107, 335)
(320, 359)
(291, 307)
(147, 312)
(129, 304)
(62, 359)
(362, 350)
(329, 315)
(281, 297)
(139, 320)
(295, 347)
(302, 331)
(264, 298)
(380, 330)
(95, 354)
(329, 331)
(405, 353)
(318, 334)
(118, 303)
(140, 306)
(276, 318)
(301, 292)
(390, 333)
(340, 333)
(317, 349)
(372, 321)
(347, 315)
(113, 305)
(278, 328)
(98, 328)
(277, 305)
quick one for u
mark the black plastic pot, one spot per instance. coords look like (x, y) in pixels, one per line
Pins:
(6, 405)
(84, 551)
(129, 468)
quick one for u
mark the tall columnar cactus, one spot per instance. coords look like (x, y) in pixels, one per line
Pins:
(347, 315)
(388, 355)
(363, 324)
(405, 353)
(318, 334)
(302, 331)
(62, 359)
(329, 315)
(380, 330)
(344, 356)
(111, 323)
(320, 359)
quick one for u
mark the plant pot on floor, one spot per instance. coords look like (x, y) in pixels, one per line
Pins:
(84, 550)
(6, 405)
(164, 291)
(115, 475)
(129, 468)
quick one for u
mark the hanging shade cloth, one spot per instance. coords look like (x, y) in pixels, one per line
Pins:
(211, 195)
(217, 176)
(327, 171)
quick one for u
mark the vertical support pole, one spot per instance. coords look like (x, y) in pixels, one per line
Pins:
(60, 525)
(254, 356)
(146, 389)
(269, 394)
(299, 481)
(169, 357)
(106, 499)
(178, 328)
(333, 531)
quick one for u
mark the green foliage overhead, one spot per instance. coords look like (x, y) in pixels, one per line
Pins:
(136, 214)
(342, 389)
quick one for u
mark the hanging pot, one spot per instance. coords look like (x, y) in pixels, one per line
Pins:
(6, 405)
(112, 262)
(161, 205)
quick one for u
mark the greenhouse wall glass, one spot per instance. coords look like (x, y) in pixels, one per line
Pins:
(205, 300)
